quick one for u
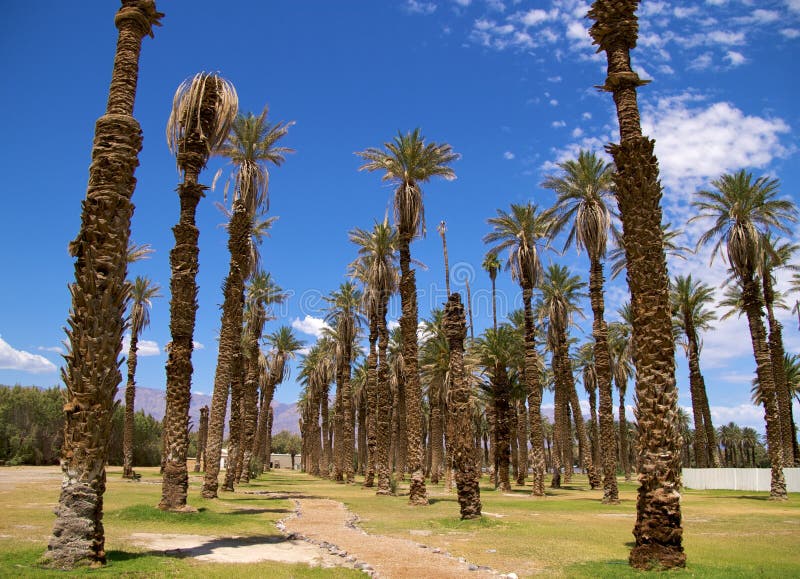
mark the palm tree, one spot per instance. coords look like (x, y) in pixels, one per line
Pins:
(616, 256)
(251, 144)
(495, 352)
(399, 428)
(442, 229)
(689, 299)
(345, 321)
(262, 292)
(742, 210)
(143, 291)
(202, 436)
(520, 232)
(434, 370)
(408, 162)
(492, 265)
(560, 293)
(776, 256)
(468, 473)
(377, 267)
(202, 112)
(584, 191)
(658, 530)
(96, 321)
(620, 345)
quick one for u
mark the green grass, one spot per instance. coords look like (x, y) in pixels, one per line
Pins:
(567, 534)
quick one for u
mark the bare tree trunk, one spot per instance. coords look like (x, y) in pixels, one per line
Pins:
(130, 398)
(534, 391)
(96, 321)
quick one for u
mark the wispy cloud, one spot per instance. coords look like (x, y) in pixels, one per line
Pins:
(144, 348)
(53, 349)
(508, 155)
(420, 7)
(22, 361)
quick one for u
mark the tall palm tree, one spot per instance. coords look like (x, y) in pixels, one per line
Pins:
(408, 161)
(95, 325)
(345, 320)
(468, 473)
(620, 345)
(202, 112)
(777, 255)
(689, 300)
(434, 370)
(399, 428)
(495, 353)
(492, 265)
(284, 347)
(658, 531)
(584, 363)
(143, 292)
(521, 232)
(250, 146)
(584, 193)
(262, 292)
(560, 293)
(202, 435)
(376, 265)
(743, 209)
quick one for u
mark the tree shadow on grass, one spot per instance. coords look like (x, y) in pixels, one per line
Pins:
(257, 511)
(209, 546)
(752, 497)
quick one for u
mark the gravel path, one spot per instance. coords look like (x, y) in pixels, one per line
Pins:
(330, 525)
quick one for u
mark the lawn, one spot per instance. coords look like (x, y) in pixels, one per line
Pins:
(567, 534)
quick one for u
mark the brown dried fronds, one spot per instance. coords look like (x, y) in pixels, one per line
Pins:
(203, 109)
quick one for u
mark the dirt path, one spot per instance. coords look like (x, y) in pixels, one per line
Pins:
(329, 524)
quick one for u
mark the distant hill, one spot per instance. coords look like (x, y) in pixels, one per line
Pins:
(152, 401)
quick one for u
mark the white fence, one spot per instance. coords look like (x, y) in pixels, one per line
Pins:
(737, 479)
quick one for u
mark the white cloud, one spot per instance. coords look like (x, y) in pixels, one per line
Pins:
(586, 116)
(197, 345)
(496, 5)
(681, 12)
(558, 124)
(54, 349)
(536, 16)
(724, 37)
(553, 102)
(419, 7)
(508, 155)
(577, 132)
(463, 2)
(790, 33)
(143, 347)
(393, 324)
(309, 325)
(735, 58)
(793, 5)
(694, 144)
(701, 61)
(743, 415)
(554, 79)
(13, 359)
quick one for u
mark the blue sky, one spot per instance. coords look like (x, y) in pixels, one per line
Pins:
(509, 84)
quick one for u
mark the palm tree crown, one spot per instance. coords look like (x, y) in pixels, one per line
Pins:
(408, 161)
(143, 291)
(520, 232)
(583, 193)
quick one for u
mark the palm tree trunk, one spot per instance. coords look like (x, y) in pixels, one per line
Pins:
(383, 405)
(602, 365)
(250, 405)
(534, 392)
(751, 300)
(513, 429)
(235, 424)
(230, 343)
(467, 469)
(362, 447)
(130, 398)
(413, 392)
(202, 437)
(595, 434)
(622, 442)
(372, 401)
(325, 461)
(784, 399)
(437, 433)
(580, 427)
(96, 322)
(494, 301)
(658, 531)
(338, 427)
(522, 441)
(701, 450)
(502, 409)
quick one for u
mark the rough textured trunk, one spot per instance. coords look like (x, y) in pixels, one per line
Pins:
(96, 322)
(522, 441)
(230, 342)
(751, 300)
(701, 444)
(130, 398)
(202, 438)
(560, 428)
(315, 443)
(250, 406)
(413, 391)
(372, 402)
(348, 425)
(325, 460)
(602, 365)
(259, 440)
(437, 433)
(623, 433)
(362, 450)
(583, 437)
(264, 443)
(513, 429)
(235, 425)
(268, 442)
(782, 395)
(467, 468)
(658, 531)
(338, 429)
(594, 431)
(533, 388)
(502, 409)
(383, 405)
